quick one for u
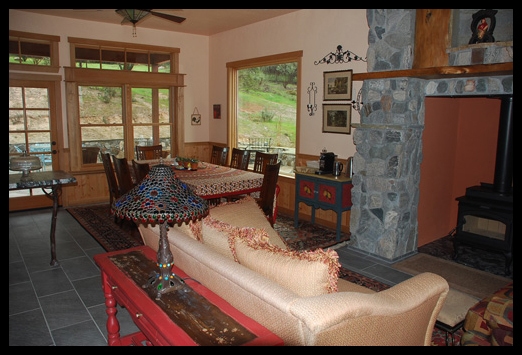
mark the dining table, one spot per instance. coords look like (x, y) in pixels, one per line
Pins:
(211, 181)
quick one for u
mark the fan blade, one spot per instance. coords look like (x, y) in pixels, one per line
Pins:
(168, 17)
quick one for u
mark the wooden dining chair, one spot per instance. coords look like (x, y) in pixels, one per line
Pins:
(123, 174)
(219, 155)
(262, 159)
(140, 170)
(267, 196)
(114, 192)
(147, 152)
(90, 155)
(239, 159)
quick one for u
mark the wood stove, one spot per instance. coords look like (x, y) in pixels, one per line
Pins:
(485, 213)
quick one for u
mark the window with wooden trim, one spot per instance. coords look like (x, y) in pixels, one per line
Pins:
(33, 52)
(122, 97)
(264, 95)
(107, 55)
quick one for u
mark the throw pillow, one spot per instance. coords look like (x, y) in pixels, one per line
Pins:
(307, 273)
(219, 235)
(151, 234)
(246, 213)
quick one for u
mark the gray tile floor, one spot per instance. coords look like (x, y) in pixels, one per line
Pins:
(64, 305)
(61, 305)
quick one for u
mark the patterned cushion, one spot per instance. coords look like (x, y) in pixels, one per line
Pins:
(490, 321)
(307, 273)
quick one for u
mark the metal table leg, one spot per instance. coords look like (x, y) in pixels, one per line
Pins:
(56, 191)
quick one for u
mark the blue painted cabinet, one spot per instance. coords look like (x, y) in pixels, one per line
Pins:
(327, 192)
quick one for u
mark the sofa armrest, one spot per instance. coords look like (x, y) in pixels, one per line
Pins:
(404, 314)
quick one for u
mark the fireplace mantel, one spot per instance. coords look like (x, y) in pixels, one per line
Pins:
(441, 72)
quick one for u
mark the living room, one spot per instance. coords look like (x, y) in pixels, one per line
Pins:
(206, 78)
(206, 81)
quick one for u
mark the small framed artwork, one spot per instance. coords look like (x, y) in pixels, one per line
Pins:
(338, 85)
(217, 111)
(337, 118)
(195, 119)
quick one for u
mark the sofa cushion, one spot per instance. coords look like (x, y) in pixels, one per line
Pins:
(219, 235)
(150, 233)
(307, 273)
(245, 212)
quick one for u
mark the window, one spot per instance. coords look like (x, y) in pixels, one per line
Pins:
(265, 107)
(123, 97)
(33, 52)
(108, 55)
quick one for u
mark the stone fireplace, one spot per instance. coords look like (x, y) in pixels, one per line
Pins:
(388, 139)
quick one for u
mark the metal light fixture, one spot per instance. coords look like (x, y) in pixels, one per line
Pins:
(132, 16)
(161, 198)
(339, 57)
(312, 106)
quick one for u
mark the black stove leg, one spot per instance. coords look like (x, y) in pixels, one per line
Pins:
(509, 260)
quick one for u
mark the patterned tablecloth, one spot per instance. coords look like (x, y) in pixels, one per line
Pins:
(213, 181)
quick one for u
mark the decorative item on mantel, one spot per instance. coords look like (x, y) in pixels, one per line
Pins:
(312, 91)
(25, 163)
(339, 56)
(481, 29)
(161, 198)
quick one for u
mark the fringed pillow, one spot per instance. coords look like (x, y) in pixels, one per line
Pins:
(307, 273)
(220, 236)
(246, 212)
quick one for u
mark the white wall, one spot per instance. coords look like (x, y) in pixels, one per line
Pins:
(314, 31)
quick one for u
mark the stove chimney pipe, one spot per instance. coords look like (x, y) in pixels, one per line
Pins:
(503, 180)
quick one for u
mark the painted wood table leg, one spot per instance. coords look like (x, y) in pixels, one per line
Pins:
(113, 325)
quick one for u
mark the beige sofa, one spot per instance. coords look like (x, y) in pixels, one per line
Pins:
(297, 295)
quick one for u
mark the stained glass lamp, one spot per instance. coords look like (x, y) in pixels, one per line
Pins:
(161, 198)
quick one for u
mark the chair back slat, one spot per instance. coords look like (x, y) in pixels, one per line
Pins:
(262, 159)
(267, 195)
(114, 192)
(123, 174)
(219, 155)
(140, 170)
(240, 159)
(90, 155)
(147, 152)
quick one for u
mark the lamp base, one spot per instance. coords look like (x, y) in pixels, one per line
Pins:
(159, 285)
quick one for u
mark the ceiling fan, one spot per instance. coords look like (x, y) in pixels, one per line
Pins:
(135, 15)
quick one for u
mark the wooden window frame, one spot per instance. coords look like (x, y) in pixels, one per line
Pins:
(232, 89)
(53, 41)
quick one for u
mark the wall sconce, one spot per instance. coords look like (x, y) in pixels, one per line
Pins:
(312, 91)
(356, 104)
(339, 57)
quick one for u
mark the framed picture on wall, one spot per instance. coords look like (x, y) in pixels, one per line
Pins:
(338, 85)
(195, 119)
(217, 111)
(337, 118)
